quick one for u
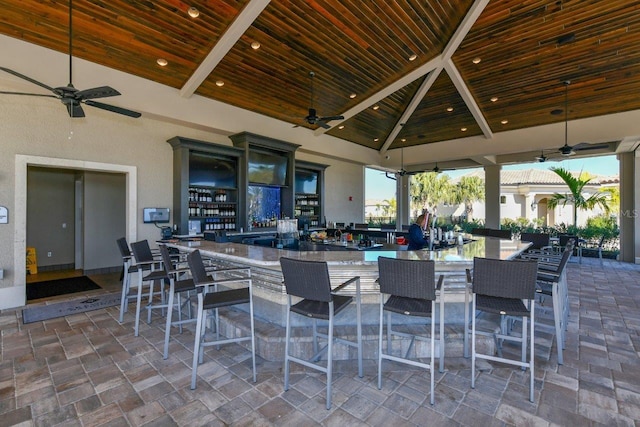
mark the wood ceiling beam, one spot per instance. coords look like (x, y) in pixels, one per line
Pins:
(244, 20)
(382, 94)
(408, 112)
(468, 99)
(448, 51)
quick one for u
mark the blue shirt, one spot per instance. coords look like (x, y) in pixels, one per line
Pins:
(416, 238)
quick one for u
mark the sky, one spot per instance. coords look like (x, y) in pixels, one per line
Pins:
(379, 187)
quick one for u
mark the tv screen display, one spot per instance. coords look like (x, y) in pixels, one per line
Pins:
(209, 171)
(155, 215)
(306, 181)
(267, 168)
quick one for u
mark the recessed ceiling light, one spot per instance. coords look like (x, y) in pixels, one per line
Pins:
(193, 12)
(353, 95)
(255, 45)
(341, 127)
(404, 140)
(375, 107)
(161, 62)
(219, 83)
(476, 60)
(494, 99)
(463, 129)
(375, 139)
(413, 57)
(449, 109)
(504, 122)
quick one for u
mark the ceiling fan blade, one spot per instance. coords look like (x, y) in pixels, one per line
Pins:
(583, 146)
(28, 94)
(75, 110)
(29, 79)
(322, 124)
(330, 118)
(97, 92)
(113, 109)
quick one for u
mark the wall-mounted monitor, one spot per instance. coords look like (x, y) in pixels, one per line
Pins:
(268, 168)
(155, 215)
(306, 181)
(206, 170)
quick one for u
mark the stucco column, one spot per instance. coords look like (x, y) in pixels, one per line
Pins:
(492, 196)
(630, 207)
(403, 205)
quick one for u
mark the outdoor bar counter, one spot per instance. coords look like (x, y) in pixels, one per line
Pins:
(270, 297)
(268, 284)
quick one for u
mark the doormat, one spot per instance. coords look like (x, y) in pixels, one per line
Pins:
(66, 308)
(51, 288)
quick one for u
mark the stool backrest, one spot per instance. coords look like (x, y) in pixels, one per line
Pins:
(306, 279)
(538, 240)
(123, 246)
(142, 251)
(505, 279)
(198, 271)
(167, 263)
(407, 278)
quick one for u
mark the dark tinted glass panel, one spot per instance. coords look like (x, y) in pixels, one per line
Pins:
(210, 171)
(306, 182)
(267, 168)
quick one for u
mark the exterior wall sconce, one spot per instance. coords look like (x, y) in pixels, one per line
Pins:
(534, 205)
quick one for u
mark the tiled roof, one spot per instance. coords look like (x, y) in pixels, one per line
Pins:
(539, 176)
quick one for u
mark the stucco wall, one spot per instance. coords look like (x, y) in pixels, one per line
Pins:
(41, 127)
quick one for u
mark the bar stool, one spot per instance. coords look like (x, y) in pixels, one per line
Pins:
(210, 298)
(309, 282)
(411, 289)
(502, 287)
(177, 287)
(145, 261)
(127, 270)
(553, 283)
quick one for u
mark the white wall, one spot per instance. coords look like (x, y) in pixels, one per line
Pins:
(40, 127)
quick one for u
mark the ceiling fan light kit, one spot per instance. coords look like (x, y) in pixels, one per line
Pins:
(71, 97)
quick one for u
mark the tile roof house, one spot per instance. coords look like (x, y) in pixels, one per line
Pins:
(524, 194)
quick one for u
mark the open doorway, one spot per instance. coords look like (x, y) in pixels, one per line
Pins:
(15, 296)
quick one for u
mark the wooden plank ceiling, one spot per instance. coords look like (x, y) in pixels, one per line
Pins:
(363, 48)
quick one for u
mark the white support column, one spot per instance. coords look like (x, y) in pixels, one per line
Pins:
(492, 196)
(630, 207)
(404, 202)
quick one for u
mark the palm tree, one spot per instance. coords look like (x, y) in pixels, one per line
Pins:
(469, 189)
(428, 189)
(576, 195)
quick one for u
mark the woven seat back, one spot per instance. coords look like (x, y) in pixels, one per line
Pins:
(564, 260)
(142, 251)
(563, 239)
(198, 271)
(167, 263)
(306, 279)
(123, 246)
(505, 279)
(538, 240)
(407, 278)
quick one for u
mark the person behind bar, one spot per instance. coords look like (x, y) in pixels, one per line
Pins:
(416, 237)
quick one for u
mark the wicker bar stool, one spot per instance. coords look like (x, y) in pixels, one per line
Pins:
(505, 288)
(309, 282)
(411, 289)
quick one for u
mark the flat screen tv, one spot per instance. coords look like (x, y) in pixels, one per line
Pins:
(306, 181)
(155, 215)
(267, 168)
(212, 171)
